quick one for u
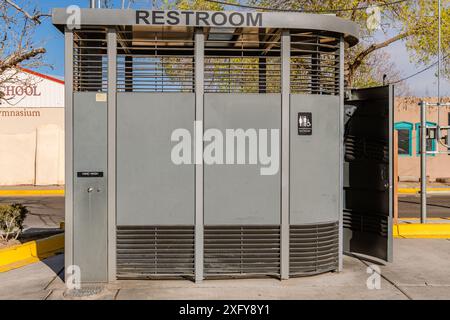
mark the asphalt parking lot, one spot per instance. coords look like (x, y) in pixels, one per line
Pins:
(438, 206)
(45, 212)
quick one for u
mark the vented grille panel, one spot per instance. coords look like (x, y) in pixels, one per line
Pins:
(145, 251)
(375, 224)
(239, 61)
(90, 60)
(358, 148)
(242, 250)
(313, 248)
(155, 61)
(315, 63)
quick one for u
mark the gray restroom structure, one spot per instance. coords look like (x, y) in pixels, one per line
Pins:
(135, 77)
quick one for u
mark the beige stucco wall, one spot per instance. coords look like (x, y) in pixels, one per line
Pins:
(438, 166)
(31, 146)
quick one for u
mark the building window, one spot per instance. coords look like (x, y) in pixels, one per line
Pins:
(404, 130)
(431, 143)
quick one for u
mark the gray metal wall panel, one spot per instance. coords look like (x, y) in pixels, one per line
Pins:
(314, 165)
(90, 208)
(151, 189)
(238, 194)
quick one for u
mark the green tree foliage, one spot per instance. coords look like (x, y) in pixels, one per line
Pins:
(413, 21)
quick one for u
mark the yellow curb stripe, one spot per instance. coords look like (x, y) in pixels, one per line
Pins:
(30, 252)
(417, 190)
(15, 193)
(422, 231)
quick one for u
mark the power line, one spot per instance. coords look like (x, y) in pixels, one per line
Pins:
(305, 11)
(419, 72)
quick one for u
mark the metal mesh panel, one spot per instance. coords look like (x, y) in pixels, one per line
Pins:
(313, 248)
(155, 61)
(314, 63)
(90, 60)
(242, 250)
(146, 251)
(242, 61)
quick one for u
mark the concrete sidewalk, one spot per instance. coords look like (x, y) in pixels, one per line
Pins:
(421, 271)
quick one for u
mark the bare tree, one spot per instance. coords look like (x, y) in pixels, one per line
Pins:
(18, 23)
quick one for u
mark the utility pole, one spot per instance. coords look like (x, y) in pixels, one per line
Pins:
(423, 162)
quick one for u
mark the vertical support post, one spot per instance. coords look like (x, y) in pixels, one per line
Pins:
(112, 109)
(341, 151)
(285, 149)
(198, 134)
(68, 124)
(423, 162)
(390, 255)
(395, 177)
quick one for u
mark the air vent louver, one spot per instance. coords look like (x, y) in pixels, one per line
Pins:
(146, 251)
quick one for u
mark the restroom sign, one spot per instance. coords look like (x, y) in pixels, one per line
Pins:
(304, 123)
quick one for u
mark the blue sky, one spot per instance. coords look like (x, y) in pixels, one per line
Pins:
(424, 84)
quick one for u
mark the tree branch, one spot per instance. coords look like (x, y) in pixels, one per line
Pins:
(36, 17)
(16, 58)
(373, 47)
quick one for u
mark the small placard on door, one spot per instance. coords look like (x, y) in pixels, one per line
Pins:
(101, 97)
(304, 123)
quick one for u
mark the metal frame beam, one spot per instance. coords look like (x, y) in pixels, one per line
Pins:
(341, 151)
(68, 102)
(198, 134)
(285, 154)
(112, 110)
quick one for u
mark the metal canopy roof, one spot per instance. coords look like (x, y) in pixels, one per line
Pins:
(234, 23)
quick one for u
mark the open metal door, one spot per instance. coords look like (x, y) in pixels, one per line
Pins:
(368, 198)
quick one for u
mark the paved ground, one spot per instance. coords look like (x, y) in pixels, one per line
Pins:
(421, 271)
(438, 206)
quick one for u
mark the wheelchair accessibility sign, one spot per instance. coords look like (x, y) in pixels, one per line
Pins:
(304, 122)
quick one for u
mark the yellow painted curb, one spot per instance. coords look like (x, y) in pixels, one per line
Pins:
(417, 190)
(30, 252)
(15, 193)
(422, 231)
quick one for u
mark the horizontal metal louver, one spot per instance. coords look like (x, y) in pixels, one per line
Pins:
(90, 60)
(242, 250)
(375, 224)
(315, 63)
(357, 148)
(240, 61)
(313, 248)
(155, 61)
(146, 251)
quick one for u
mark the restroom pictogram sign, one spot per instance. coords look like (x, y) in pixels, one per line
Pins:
(304, 122)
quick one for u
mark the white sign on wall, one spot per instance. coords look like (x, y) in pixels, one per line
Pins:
(29, 89)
